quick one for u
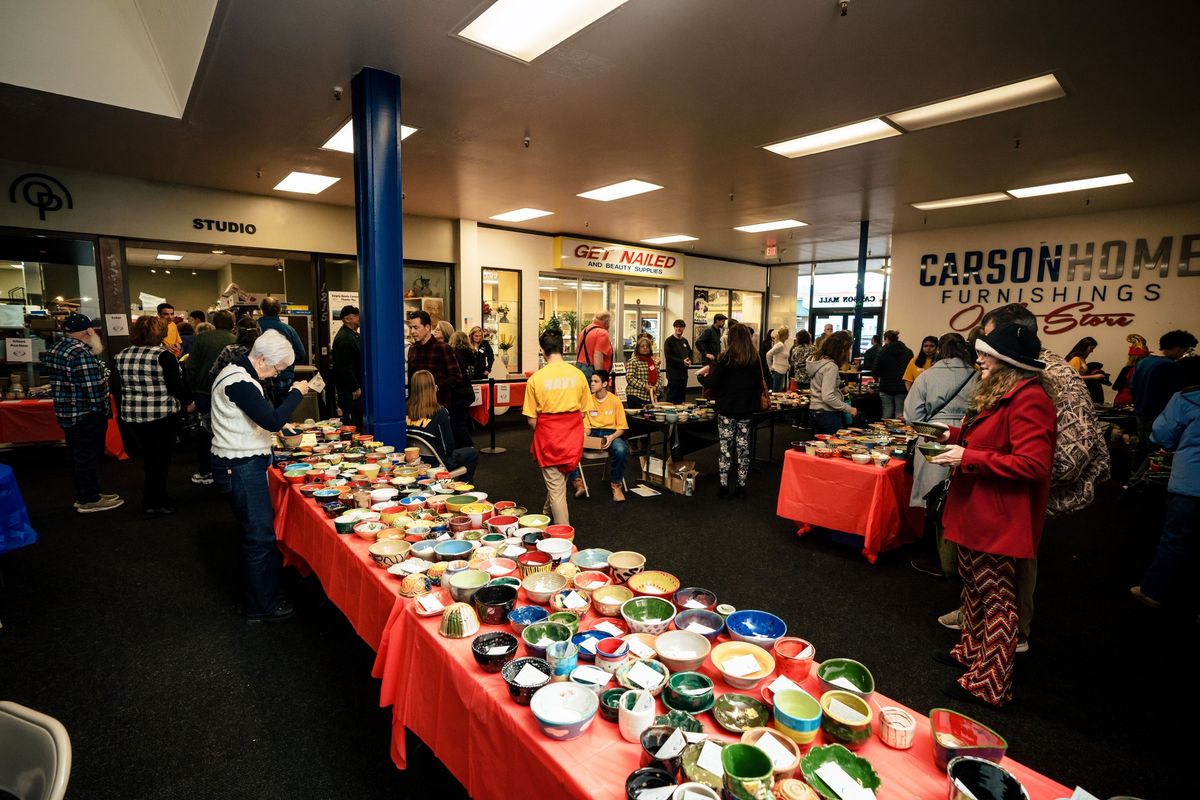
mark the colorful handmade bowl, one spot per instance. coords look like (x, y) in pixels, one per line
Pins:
(587, 641)
(494, 602)
(522, 617)
(727, 652)
(624, 564)
(503, 524)
(956, 734)
(459, 621)
(540, 521)
(755, 737)
(646, 779)
(611, 653)
(369, 530)
(609, 703)
(533, 563)
(591, 579)
(655, 689)
(708, 624)
(493, 650)
(848, 674)
(424, 549)
(689, 691)
(858, 768)
(567, 618)
(797, 715)
(592, 558)
(696, 774)
(653, 583)
(519, 692)
(897, 727)
(794, 657)
(651, 615)
(498, 567)
(757, 627)
(463, 585)
(540, 635)
(740, 712)
(748, 772)
(607, 600)
(979, 779)
(682, 651)
(389, 552)
(576, 601)
(564, 710)
(652, 741)
(539, 586)
(846, 718)
(453, 550)
(694, 597)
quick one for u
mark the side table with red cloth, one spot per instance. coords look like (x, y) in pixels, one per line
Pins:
(516, 397)
(863, 499)
(33, 421)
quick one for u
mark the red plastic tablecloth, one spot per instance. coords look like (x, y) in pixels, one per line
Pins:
(516, 397)
(838, 494)
(31, 421)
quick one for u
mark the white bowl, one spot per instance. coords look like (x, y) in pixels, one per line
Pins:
(558, 549)
(682, 651)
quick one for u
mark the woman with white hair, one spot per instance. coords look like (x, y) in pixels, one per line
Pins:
(243, 420)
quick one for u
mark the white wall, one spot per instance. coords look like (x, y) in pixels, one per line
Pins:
(1107, 304)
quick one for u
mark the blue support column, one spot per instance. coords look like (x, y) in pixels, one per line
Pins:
(861, 291)
(377, 189)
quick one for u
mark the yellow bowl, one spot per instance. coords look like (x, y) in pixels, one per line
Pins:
(724, 652)
(608, 599)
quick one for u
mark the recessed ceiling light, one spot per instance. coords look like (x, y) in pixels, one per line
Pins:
(1072, 186)
(845, 136)
(524, 29)
(966, 200)
(166, 272)
(305, 183)
(193, 272)
(343, 140)
(152, 269)
(219, 252)
(168, 257)
(618, 190)
(777, 225)
(521, 214)
(679, 237)
(978, 104)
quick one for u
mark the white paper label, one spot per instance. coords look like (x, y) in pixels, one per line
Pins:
(117, 324)
(544, 642)
(672, 747)
(657, 793)
(573, 600)
(1082, 794)
(512, 551)
(842, 784)
(19, 350)
(503, 395)
(639, 649)
(710, 759)
(699, 628)
(593, 675)
(443, 537)
(783, 684)
(478, 395)
(531, 676)
(695, 736)
(608, 627)
(692, 794)
(414, 565)
(588, 645)
(963, 790)
(844, 683)
(430, 602)
(644, 676)
(740, 666)
(498, 651)
(693, 603)
(780, 756)
(844, 712)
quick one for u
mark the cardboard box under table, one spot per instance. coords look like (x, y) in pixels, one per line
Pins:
(670, 475)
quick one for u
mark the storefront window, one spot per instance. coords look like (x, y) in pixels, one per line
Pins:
(429, 287)
(642, 312)
(834, 300)
(573, 302)
(502, 314)
(745, 307)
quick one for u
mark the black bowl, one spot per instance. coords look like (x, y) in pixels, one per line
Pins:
(485, 642)
(523, 694)
(646, 778)
(653, 738)
(532, 538)
(610, 700)
(494, 602)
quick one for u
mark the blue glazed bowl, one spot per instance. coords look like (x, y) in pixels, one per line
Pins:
(522, 617)
(453, 549)
(757, 627)
(564, 710)
(797, 710)
(424, 550)
(584, 636)
(595, 558)
(709, 619)
(523, 694)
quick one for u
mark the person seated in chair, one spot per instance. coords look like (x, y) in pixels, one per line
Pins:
(430, 419)
(606, 419)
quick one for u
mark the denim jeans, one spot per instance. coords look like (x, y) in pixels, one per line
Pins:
(85, 440)
(779, 381)
(618, 453)
(829, 422)
(1176, 545)
(893, 404)
(463, 457)
(245, 481)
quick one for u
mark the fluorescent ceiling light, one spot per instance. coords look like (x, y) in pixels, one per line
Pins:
(168, 257)
(521, 214)
(679, 237)
(305, 183)
(1072, 186)
(343, 140)
(977, 104)
(617, 191)
(524, 29)
(777, 225)
(845, 136)
(966, 200)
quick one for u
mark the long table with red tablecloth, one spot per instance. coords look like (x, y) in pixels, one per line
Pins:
(862, 499)
(481, 408)
(492, 745)
(33, 421)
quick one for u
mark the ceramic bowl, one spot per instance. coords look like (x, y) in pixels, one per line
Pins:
(740, 712)
(530, 537)
(656, 688)
(859, 769)
(794, 657)
(682, 651)
(380, 495)
(503, 524)
(464, 585)
(651, 615)
(497, 567)
(587, 642)
(692, 790)
(708, 624)
(307, 489)
(453, 549)
(520, 693)
(459, 621)
(727, 651)
(540, 635)
(609, 700)
(624, 564)
(494, 602)
(576, 601)
(689, 691)
(325, 495)
(646, 778)
(652, 740)
(757, 627)
(345, 523)
(389, 552)
(956, 734)
(369, 530)
(592, 558)
(611, 653)
(559, 550)
(522, 617)
(848, 674)
(590, 678)
(540, 521)
(493, 650)
(653, 583)
(425, 549)
(539, 586)
(846, 718)
(860, 458)
(897, 727)
(533, 563)
(781, 771)
(641, 645)
(697, 775)
(561, 532)
(567, 618)
(798, 715)
(564, 710)
(591, 579)
(979, 779)
(694, 597)
(607, 600)
(932, 450)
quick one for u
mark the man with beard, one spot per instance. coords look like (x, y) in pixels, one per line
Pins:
(82, 405)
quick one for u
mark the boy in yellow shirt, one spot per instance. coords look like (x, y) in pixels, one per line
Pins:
(606, 419)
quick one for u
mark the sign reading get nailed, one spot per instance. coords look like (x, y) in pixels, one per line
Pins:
(616, 259)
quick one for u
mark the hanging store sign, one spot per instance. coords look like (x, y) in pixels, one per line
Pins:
(616, 259)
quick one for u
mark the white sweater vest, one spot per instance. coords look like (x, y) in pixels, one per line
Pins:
(235, 435)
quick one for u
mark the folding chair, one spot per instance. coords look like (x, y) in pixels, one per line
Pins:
(424, 442)
(595, 457)
(36, 764)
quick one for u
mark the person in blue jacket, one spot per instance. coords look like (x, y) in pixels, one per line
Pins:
(270, 321)
(1177, 428)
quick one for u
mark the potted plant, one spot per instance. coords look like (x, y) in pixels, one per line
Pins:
(505, 342)
(503, 312)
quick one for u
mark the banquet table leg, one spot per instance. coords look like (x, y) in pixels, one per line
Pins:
(803, 529)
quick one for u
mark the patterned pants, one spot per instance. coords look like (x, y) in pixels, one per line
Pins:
(734, 434)
(989, 633)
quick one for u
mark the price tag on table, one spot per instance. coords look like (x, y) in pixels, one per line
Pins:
(639, 649)
(672, 747)
(693, 603)
(592, 675)
(430, 602)
(608, 627)
(497, 651)
(842, 784)
(414, 565)
(588, 645)
(780, 756)
(783, 684)
(710, 759)
(644, 676)
(699, 628)
(573, 600)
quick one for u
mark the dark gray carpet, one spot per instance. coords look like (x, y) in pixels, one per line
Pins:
(125, 629)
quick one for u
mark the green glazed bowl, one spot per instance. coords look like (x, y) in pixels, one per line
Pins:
(689, 691)
(856, 767)
(566, 618)
(862, 683)
(535, 636)
(749, 773)
(682, 720)
(740, 712)
(651, 615)
(853, 732)
(931, 449)
(693, 772)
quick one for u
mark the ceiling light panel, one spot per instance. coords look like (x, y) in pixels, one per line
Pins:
(777, 225)
(966, 200)
(1072, 186)
(617, 191)
(524, 29)
(679, 237)
(978, 104)
(846, 136)
(305, 183)
(168, 257)
(343, 140)
(521, 215)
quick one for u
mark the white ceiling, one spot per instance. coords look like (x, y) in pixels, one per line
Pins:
(682, 93)
(142, 257)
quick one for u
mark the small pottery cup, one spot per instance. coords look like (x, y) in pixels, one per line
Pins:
(563, 658)
(748, 772)
(982, 779)
(652, 739)
(635, 714)
(646, 778)
(794, 657)
(611, 653)
(610, 701)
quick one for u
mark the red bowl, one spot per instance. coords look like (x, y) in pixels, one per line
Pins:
(561, 532)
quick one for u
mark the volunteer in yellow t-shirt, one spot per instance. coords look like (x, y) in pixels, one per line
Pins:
(606, 419)
(922, 361)
(556, 398)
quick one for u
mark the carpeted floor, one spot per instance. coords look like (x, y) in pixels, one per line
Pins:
(125, 629)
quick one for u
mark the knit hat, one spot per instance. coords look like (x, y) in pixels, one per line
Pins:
(79, 322)
(1013, 344)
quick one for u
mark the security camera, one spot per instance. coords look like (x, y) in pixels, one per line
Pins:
(526, 141)
(844, 5)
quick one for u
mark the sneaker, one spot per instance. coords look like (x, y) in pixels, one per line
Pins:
(102, 497)
(927, 566)
(105, 503)
(1022, 643)
(580, 489)
(203, 480)
(284, 610)
(953, 620)
(618, 494)
(1143, 598)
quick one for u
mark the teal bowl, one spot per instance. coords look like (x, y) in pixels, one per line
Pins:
(689, 691)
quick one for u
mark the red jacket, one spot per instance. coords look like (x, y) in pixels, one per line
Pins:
(997, 499)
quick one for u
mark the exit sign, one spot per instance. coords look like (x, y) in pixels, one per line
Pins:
(771, 251)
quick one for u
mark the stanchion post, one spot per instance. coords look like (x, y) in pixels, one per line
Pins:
(493, 449)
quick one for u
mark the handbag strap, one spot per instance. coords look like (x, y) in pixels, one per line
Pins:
(950, 399)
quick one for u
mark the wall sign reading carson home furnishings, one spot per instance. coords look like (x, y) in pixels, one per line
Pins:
(616, 259)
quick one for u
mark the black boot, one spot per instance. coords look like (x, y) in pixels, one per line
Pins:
(722, 492)
(739, 493)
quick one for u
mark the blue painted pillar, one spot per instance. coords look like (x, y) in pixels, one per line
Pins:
(860, 292)
(377, 188)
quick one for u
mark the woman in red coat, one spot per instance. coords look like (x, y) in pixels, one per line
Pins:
(996, 505)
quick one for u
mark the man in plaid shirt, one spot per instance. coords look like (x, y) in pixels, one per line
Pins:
(428, 353)
(83, 408)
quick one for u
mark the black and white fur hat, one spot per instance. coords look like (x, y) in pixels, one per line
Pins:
(1015, 345)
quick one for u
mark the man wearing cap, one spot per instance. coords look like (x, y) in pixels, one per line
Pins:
(347, 366)
(678, 351)
(83, 408)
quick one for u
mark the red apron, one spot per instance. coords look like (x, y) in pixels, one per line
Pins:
(558, 440)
